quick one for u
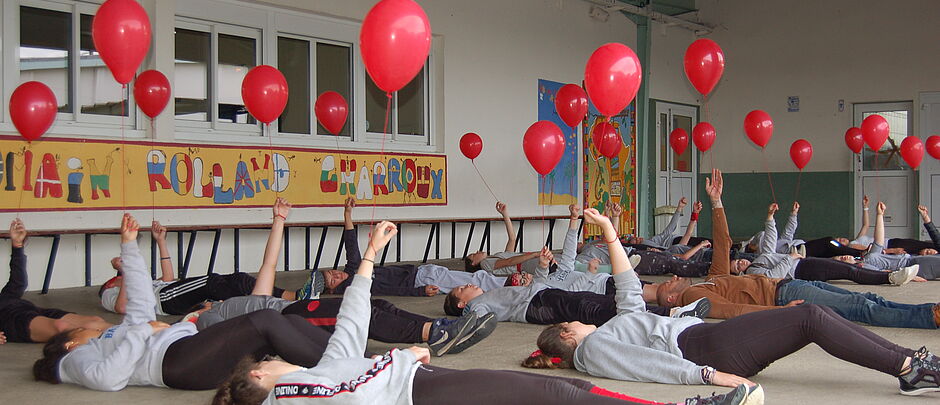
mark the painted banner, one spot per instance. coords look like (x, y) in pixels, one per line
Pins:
(560, 186)
(56, 174)
(614, 179)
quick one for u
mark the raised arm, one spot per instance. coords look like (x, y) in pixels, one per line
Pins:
(348, 207)
(721, 238)
(570, 249)
(863, 230)
(510, 231)
(768, 241)
(629, 296)
(266, 274)
(789, 230)
(614, 211)
(665, 237)
(693, 220)
(158, 232)
(929, 226)
(140, 299)
(691, 252)
(880, 224)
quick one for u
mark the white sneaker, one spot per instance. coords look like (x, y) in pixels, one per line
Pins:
(903, 275)
(635, 261)
(698, 308)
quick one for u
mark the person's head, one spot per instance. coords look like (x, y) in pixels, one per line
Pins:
(556, 345)
(635, 240)
(251, 382)
(842, 241)
(472, 261)
(846, 258)
(458, 298)
(47, 368)
(332, 279)
(518, 279)
(667, 293)
(927, 252)
(117, 263)
(739, 266)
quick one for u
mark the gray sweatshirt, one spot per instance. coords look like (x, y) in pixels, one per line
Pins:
(237, 306)
(778, 244)
(876, 259)
(489, 264)
(509, 303)
(597, 249)
(343, 376)
(567, 277)
(770, 263)
(664, 239)
(129, 353)
(636, 345)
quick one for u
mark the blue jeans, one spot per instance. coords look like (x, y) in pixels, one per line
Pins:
(866, 308)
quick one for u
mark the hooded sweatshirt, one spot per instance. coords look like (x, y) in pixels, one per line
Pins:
(567, 277)
(129, 353)
(770, 263)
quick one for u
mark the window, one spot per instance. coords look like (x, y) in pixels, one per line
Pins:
(889, 156)
(334, 71)
(100, 93)
(236, 57)
(408, 117)
(293, 59)
(45, 44)
(191, 82)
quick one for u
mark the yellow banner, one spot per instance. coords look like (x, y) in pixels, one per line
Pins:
(55, 174)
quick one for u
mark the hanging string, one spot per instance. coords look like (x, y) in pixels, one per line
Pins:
(484, 180)
(877, 186)
(797, 196)
(123, 153)
(541, 203)
(19, 205)
(273, 170)
(153, 193)
(769, 179)
(388, 113)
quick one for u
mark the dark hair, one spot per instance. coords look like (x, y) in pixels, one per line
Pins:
(450, 305)
(469, 266)
(552, 346)
(239, 389)
(47, 368)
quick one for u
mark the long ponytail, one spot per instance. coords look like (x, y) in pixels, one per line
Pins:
(554, 352)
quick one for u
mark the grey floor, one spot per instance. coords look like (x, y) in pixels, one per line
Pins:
(810, 376)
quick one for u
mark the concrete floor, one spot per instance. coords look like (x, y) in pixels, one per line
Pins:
(809, 376)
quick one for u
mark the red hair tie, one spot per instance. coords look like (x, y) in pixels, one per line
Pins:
(554, 360)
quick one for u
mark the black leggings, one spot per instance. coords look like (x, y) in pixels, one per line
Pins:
(387, 323)
(816, 269)
(436, 385)
(911, 246)
(824, 247)
(180, 297)
(657, 263)
(552, 306)
(204, 360)
(746, 344)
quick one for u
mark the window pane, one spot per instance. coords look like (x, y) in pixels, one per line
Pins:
(333, 73)
(191, 79)
(889, 156)
(293, 59)
(45, 39)
(683, 162)
(375, 108)
(664, 141)
(100, 93)
(411, 107)
(237, 56)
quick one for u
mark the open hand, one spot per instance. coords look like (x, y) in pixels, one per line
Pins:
(714, 185)
(382, 233)
(794, 303)
(730, 380)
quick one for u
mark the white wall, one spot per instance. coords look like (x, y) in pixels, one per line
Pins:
(822, 51)
(494, 53)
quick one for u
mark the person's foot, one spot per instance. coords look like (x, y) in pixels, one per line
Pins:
(486, 324)
(698, 308)
(923, 377)
(740, 395)
(635, 261)
(313, 287)
(923, 353)
(801, 250)
(903, 275)
(445, 333)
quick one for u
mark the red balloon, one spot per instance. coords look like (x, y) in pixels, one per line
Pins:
(395, 41)
(152, 92)
(704, 64)
(264, 91)
(912, 150)
(703, 135)
(606, 140)
(854, 139)
(759, 127)
(121, 32)
(471, 145)
(331, 111)
(544, 146)
(801, 152)
(875, 130)
(612, 77)
(679, 140)
(32, 108)
(571, 103)
(933, 146)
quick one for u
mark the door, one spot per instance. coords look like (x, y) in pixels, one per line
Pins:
(675, 174)
(929, 171)
(884, 176)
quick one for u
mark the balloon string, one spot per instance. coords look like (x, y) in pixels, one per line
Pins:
(273, 172)
(877, 187)
(19, 205)
(797, 197)
(123, 151)
(388, 113)
(484, 180)
(769, 179)
(541, 203)
(153, 192)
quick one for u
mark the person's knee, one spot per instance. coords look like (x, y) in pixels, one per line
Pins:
(265, 318)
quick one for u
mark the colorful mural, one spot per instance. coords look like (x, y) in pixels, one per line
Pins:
(560, 186)
(169, 176)
(611, 179)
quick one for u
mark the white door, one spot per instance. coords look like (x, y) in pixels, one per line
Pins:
(675, 174)
(929, 171)
(884, 176)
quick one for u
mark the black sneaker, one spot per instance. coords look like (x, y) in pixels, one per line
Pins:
(699, 309)
(486, 324)
(740, 395)
(924, 377)
(923, 354)
(446, 332)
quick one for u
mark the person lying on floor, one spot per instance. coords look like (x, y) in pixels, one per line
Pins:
(403, 376)
(508, 261)
(822, 247)
(144, 351)
(388, 323)
(22, 321)
(927, 266)
(796, 265)
(915, 246)
(638, 346)
(400, 279)
(177, 297)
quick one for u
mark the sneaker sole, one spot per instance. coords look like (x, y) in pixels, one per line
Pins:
(484, 328)
(919, 391)
(756, 397)
(701, 310)
(450, 343)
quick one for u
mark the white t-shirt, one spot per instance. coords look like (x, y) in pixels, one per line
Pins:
(109, 296)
